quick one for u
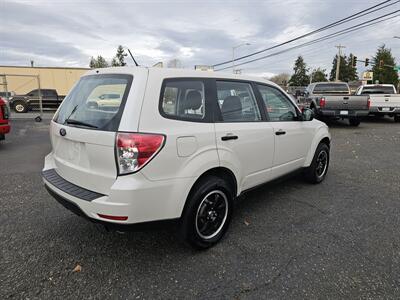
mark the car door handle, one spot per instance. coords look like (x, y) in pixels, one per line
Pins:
(229, 137)
(280, 132)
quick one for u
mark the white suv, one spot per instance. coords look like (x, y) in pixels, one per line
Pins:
(176, 145)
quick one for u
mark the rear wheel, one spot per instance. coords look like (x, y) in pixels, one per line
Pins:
(20, 107)
(354, 121)
(316, 172)
(397, 118)
(207, 213)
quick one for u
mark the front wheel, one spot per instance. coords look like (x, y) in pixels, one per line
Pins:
(354, 122)
(397, 118)
(207, 213)
(316, 172)
(20, 107)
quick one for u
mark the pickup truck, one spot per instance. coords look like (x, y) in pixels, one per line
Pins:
(384, 100)
(4, 114)
(333, 100)
(30, 101)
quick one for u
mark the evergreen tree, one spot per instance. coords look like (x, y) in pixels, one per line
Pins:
(119, 58)
(98, 62)
(300, 77)
(351, 70)
(318, 75)
(385, 74)
(343, 69)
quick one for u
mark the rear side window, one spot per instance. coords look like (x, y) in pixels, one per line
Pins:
(237, 102)
(96, 102)
(183, 99)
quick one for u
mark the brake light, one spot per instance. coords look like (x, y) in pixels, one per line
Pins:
(369, 103)
(134, 150)
(115, 218)
(322, 102)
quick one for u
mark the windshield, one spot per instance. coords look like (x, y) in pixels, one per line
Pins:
(377, 90)
(331, 88)
(95, 102)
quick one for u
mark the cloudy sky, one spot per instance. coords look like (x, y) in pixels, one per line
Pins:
(68, 33)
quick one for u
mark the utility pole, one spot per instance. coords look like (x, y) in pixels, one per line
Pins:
(338, 60)
(233, 55)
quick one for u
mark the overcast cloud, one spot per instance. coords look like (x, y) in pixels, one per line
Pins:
(68, 33)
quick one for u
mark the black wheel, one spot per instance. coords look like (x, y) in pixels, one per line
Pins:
(207, 212)
(20, 107)
(397, 118)
(316, 172)
(354, 121)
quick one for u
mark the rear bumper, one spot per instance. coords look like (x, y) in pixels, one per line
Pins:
(385, 110)
(342, 113)
(132, 196)
(4, 128)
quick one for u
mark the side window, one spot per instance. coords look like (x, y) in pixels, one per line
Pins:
(34, 93)
(237, 102)
(183, 99)
(278, 107)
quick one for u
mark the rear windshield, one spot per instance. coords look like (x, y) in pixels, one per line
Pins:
(96, 102)
(377, 90)
(334, 88)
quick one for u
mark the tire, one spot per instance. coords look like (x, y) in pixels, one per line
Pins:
(354, 122)
(316, 172)
(210, 203)
(20, 107)
(397, 118)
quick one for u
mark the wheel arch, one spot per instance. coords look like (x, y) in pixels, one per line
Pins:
(322, 136)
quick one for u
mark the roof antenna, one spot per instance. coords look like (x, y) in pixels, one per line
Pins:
(134, 60)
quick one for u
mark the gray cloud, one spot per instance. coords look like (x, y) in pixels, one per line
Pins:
(197, 32)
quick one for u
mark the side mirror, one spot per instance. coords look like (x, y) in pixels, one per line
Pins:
(307, 114)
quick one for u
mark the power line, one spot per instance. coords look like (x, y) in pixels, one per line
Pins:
(323, 38)
(336, 23)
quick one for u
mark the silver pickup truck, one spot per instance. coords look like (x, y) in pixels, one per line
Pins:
(333, 100)
(384, 100)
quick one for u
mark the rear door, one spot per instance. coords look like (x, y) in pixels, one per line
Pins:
(292, 137)
(83, 132)
(244, 139)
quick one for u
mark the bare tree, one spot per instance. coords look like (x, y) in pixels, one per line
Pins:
(281, 79)
(175, 63)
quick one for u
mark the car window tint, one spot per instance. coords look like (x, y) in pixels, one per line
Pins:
(237, 102)
(278, 107)
(183, 99)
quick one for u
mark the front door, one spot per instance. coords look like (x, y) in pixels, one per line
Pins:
(293, 137)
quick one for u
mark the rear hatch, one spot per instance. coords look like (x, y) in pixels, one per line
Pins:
(346, 102)
(84, 128)
(385, 100)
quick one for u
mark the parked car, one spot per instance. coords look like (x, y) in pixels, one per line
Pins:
(30, 101)
(333, 100)
(4, 115)
(384, 100)
(180, 148)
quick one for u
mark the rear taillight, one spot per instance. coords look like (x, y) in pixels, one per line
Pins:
(322, 102)
(134, 150)
(369, 103)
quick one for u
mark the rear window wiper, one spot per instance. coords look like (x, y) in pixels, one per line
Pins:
(76, 122)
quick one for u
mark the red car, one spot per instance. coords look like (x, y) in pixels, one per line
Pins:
(4, 114)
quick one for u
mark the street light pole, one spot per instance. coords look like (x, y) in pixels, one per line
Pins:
(233, 54)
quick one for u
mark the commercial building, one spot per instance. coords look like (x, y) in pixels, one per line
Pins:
(58, 78)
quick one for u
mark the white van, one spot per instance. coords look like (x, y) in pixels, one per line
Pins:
(169, 145)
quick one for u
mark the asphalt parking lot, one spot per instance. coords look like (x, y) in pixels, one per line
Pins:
(289, 239)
